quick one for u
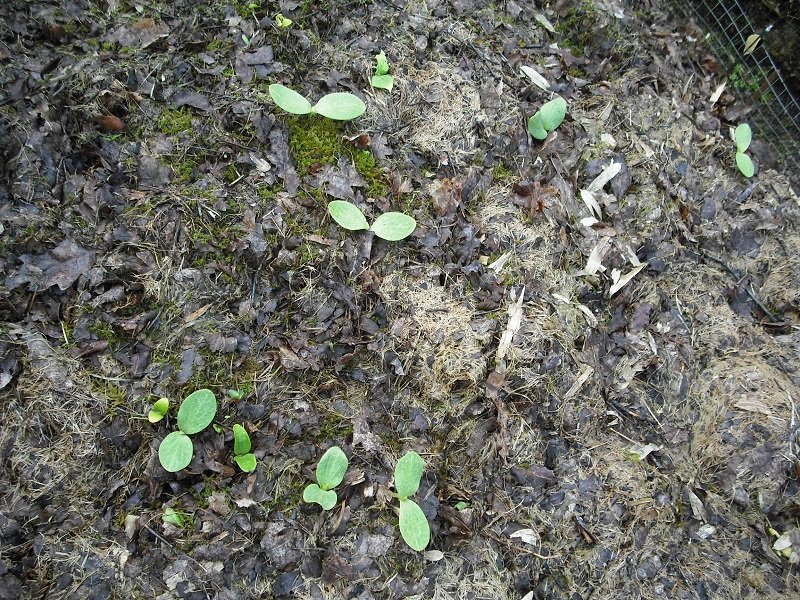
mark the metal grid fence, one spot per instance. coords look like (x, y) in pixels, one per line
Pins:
(755, 77)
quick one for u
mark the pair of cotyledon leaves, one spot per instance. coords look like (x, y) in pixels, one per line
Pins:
(381, 79)
(390, 226)
(195, 414)
(414, 527)
(241, 449)
(743, 136)
(547, 118)
(339, 106)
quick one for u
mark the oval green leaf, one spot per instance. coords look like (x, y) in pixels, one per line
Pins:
(241, 441)
(173, 517)
(246, 462)
(347, 215)
(394, 226)
(158, 411)
(175, 451)
(535, 127)
(743, 136)
(381, 63)
(407, 474)
(340, 106)
(414, 526)
(313, 493)
(745, 165)
(289, 100)
(197, 411)
(382, 82)
(553, 113)
(331, 468)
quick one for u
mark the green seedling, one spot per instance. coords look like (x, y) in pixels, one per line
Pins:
(382, 80)
(159, 410)
(241, 450)
(339, 106)
(330, 473)
(743, 136)
(235, 394)
(173, 517)
(195, 414)
(282, 21)
(414, 526)
(390, 226)
(547, 118)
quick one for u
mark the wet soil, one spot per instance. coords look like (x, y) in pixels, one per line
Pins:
(593, 341)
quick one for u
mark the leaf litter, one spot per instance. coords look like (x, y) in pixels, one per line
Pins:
(591, 339)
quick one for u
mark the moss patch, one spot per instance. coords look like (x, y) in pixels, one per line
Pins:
(173, 121)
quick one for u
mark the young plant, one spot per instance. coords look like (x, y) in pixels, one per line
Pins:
(414, 526)
(382, 80)
(159, 410)
(241, 450)
(339, 106)
(390, 226)
(743, 136)
(547, 118)
(330, 472)
(195, 414)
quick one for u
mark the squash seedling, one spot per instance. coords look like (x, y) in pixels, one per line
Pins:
(390, 226)
(241, 450)
(195, 414)
(159, 410)
(339, 106)
(743, 136)
(330, 473)
(382, 80)
(414, 526)
(547, 118)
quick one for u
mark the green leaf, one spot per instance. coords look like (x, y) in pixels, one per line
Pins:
(241, 441)
(159, 410)
(535, 127)
(745, 165)
(331, 468)
(347, 215)
(743, 136)
(340, 106)
(175, 451)
(414, 526)
(246, 462)
(394, 226)
(382, 82)
(173, 517)
(289, 100)
(381, 64)
(283, 22)
(553, 113)
(325, 498)
(407, 474)
(197, 411)
(235, 394)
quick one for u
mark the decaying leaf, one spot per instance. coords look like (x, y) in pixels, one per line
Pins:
(514, 323)
(536, 77)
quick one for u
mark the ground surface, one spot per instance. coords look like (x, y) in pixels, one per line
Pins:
(164, 230)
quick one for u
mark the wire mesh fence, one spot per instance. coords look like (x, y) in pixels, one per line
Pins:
(752, 75)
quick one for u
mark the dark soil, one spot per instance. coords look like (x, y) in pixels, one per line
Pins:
(601, 379)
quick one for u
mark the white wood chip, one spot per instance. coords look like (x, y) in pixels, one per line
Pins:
(536, 77)
(514, 323)
(607, 175)
(545, 22)
(718, 92)
(576, 387)
(620, 280)
(498, 265)
(591, 203)
(595, 261)
(527, 536)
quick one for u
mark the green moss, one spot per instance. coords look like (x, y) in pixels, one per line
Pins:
(104, 331)
(173, 121)
(742, 81)
(502, 173)
(578, 27)
(315, 141)
(184, 169)
(231, 174)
